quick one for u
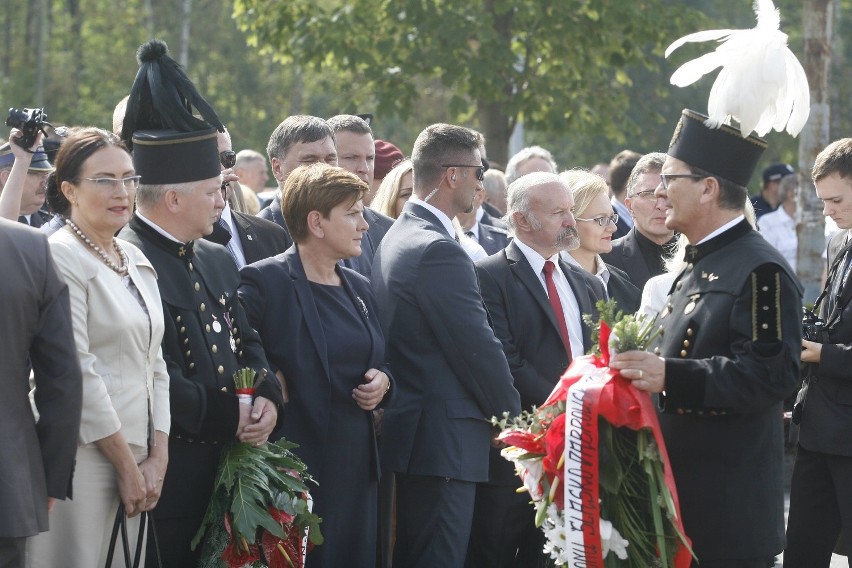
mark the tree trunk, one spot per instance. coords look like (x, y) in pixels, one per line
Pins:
(494, 123)
(817, 24)
(76, 40)
(149, 19)
(41, 53)
(185, 20)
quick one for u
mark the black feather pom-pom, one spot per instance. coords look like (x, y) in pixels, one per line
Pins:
(151, 51)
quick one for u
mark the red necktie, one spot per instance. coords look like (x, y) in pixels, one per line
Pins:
(556, 304)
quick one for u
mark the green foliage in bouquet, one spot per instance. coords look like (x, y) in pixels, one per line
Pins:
(258, 490)
(634, 497)
(628, 332)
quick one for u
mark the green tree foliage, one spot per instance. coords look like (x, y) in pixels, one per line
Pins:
(586, 77)
(556, 65)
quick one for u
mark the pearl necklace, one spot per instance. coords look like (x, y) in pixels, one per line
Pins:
(120, 270)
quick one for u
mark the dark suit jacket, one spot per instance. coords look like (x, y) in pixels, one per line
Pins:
(493, 239)
(827, 416)
(526, 326)
(524, 321)
(202, 315)
(488, 219)
(731, 342)
(626, 256)
(619, 287)
(379, 225)
(450, 370)
(491, 210)
(36, 459)
(280, 306)
(259, 238)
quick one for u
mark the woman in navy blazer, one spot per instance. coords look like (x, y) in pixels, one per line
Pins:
(321, 333)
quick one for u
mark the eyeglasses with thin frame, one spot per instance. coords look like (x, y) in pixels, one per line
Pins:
(665, 179)
(228, 158)
(480, 170)
(130, 182)
(602, 221)
(646, 194)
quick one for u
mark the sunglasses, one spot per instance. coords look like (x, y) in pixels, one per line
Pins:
(480, 170)
(228, 158)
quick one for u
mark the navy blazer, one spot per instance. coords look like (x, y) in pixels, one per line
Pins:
(280, 306)
(493, 239)
(378, 226)
(524, 321)
(619, 287)
(259, 238)
(526, 326)
(450, 368)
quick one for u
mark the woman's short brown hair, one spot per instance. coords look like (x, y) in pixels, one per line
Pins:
(317, 187)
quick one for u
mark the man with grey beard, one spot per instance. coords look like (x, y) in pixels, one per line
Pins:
(536, 302)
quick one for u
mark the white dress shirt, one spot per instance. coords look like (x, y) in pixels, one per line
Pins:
(780, 230)
(236, 245)
(570, 307)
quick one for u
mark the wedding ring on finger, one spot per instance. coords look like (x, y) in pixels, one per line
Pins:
(640, 373)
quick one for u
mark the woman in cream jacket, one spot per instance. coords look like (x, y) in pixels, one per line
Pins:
(118, 327)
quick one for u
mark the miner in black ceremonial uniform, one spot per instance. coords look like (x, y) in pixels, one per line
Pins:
(207, 337)
(727, 355)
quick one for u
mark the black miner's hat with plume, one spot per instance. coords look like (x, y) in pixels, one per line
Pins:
(169, 143)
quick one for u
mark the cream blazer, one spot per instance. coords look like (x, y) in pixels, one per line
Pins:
(125, 380)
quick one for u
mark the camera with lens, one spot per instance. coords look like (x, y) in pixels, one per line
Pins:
(813, 326)
(30, 122)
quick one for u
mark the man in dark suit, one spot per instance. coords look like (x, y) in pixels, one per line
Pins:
(22, 188)
(728, 354)
(207, 337)
(301, 140)
(248, 238)
(489, 237)
(641, 252)
(36, 458)
(820, 496)
(356, 152)
(451, 373)
(619, 171)
(515, 285)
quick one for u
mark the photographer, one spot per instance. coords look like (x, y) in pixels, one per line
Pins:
(23, 179)
(821, 495)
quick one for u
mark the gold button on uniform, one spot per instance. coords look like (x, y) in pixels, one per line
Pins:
(207, 328)
(221, 370)
(683, 353)
(197, 286)
(214, 349)
(689, 332)
(202, 307)
(686, 343)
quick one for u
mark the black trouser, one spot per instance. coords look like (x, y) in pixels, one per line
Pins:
(820, 507)
(13, 552)
(433, 518)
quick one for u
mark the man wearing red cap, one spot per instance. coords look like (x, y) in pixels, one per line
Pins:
(387, 156)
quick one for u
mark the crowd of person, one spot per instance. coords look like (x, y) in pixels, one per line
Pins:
(391, 306)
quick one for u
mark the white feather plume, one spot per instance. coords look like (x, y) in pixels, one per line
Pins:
(762, 84)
